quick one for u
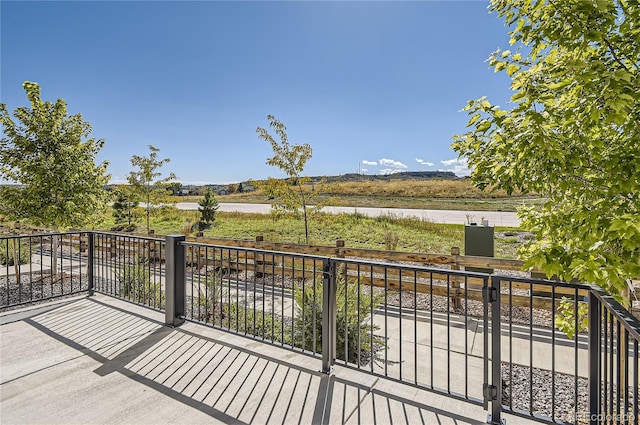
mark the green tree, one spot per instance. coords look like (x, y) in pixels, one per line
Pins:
(147, 182)
(208, 207)
(571, 135)
(291, 159)
(48, 154)
(124, 205)
(176, 188)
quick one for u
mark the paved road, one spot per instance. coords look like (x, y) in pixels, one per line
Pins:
(496, 218)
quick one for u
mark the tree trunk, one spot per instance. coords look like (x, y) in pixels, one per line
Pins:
(55, 243)
(304, 212)
(16, 261)
(148, 210)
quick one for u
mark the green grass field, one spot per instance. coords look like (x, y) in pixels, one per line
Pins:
(357, 230)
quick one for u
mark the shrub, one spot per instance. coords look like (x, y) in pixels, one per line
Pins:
(213, 309)
(187, 228)
(254, 322)
(8, 249)
(210, 303)
(391, 240)
(136, 283)
(353, 328)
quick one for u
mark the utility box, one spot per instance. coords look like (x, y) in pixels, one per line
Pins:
(478, 241)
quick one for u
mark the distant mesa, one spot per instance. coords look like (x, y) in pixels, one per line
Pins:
(404, 175)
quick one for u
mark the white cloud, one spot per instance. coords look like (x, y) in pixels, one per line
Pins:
(203, 183)
(387, 171)
(458, 166)
(423, 162)
(118, 180)
(365, 162)
(392, 163)
(364, 170)
(454, 162)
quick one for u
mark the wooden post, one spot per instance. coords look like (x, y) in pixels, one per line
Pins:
(258, 259)
(455, 282)
(339, 245)
(113, 249)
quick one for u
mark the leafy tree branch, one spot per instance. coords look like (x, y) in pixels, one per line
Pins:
(570, 134)
(49, 155)
(147, 181)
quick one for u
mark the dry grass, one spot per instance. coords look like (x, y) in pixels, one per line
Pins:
(414, 188)
(423, 194)
(429, 189)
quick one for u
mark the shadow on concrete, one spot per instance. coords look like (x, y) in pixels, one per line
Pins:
(227, 377)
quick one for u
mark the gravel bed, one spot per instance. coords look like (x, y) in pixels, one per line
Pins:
(36, 288)
(516, 394)
(472, 308)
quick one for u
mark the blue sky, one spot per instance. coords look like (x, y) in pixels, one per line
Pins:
(370, 84)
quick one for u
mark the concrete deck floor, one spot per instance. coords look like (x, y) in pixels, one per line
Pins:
(100, 360)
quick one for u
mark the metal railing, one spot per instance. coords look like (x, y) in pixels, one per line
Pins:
(614, 337)
(421, 325)
(129, 267)
(396, 321)
(40, 267)
(552, 351)
(569, 355)
(256, 293)
(543, 360)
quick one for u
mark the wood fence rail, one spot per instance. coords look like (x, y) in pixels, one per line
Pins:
(454, 260)
(441, 284)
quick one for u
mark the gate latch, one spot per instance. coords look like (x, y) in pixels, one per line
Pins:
(490, 392)
(489, 294)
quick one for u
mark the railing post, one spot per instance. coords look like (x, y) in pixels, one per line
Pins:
(594, 357)
(493, 392)
(90, 263)
(174, 280)
(328, 315)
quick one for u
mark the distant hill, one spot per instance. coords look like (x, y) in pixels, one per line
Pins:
(405, 175)
(248, 185)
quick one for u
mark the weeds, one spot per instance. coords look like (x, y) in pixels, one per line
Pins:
(8, 250)
(210, 301)
(390, 240)
(353, 321)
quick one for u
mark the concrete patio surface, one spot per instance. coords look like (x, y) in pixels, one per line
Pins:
(100, 360)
